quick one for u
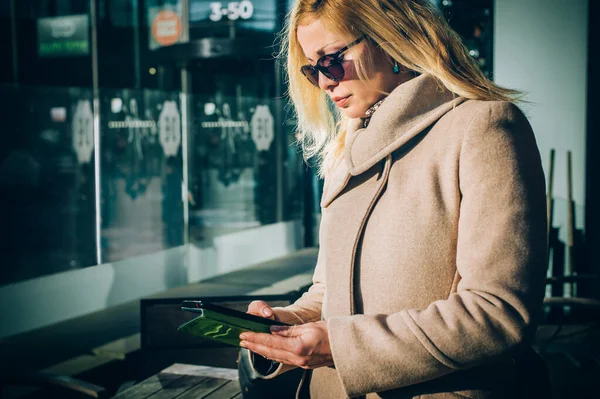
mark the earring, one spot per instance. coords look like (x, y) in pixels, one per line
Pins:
(396, 68)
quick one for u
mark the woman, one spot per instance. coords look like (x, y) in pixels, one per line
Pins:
(430, 275)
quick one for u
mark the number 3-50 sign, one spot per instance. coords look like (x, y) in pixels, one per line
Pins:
(234, 10)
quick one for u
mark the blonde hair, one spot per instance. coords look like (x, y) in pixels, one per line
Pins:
(412, 32)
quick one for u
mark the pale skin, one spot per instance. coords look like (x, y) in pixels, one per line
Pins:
(307, 345)
(316, 40)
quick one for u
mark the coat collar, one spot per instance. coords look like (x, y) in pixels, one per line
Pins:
(407, 111)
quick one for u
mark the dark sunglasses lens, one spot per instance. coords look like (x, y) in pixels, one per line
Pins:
(311, 74)
(331, 67)
(335, 71)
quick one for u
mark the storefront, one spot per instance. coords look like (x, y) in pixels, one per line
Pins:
(151, 127)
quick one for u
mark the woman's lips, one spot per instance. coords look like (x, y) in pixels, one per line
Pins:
(340, 101)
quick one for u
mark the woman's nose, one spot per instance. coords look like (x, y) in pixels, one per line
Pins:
(325, 83)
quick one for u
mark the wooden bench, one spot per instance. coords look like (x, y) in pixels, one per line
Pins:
(162, 344)
(106, 345)
(185, 381)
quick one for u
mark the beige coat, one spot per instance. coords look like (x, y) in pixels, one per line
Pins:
(432, 253)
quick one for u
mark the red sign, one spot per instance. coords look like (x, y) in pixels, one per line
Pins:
(166, 28)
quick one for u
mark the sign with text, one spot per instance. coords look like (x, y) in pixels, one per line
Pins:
(83, 131)
(63, 36)
(165, 27)
(233, 10)
(169, 128)
(262, 126)
(210, 18)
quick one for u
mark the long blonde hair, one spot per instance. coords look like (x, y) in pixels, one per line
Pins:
(412, 32)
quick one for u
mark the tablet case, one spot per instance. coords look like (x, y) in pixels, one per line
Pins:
(224, 328)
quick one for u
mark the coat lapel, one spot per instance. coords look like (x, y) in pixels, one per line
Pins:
(335, 183)
(411, 108)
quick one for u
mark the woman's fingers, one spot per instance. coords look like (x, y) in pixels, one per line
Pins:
(270, 340)
(291, 346)
(287, 331)
(279, 349)
(260, 308)
(274, 354)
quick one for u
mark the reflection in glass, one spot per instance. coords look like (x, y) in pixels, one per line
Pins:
(232, 166)
(46, 183)
(140, 173)
(243, 168)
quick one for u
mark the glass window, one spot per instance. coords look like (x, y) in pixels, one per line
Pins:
(189, 145)
(172, 168)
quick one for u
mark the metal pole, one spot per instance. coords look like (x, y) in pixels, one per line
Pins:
(185, 75)
(136, 44)
(279, 142)
(185, 90)
(571, 267)
(13, 34)
(185, 21)
(96, 111)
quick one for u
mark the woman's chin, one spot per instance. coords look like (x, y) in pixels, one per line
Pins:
(353, 113)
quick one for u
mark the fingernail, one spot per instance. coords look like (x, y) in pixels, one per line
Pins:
(268, 312)
(276, 328)
(242, 344)
(243, 336)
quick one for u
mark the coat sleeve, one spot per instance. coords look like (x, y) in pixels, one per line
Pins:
(308, 308)
(501, 259)
(305, 310)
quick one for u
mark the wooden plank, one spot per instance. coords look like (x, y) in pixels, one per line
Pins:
(178, 387)
(203, 389)
(202, 371)
(148, 386)
(227, 391)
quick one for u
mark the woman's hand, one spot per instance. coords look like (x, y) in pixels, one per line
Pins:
(305, 345)
(260, 308)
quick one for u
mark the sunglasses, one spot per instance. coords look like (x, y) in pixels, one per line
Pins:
(330, 65)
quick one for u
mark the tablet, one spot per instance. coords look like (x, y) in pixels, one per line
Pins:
(222, 324)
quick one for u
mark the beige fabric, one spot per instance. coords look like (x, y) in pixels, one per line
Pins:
(433, 250)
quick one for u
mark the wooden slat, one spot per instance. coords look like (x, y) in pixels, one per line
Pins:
(183, 381)
(227, 391)
(148, 386)
(178, 387)
(203, 389)
(202, 371)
